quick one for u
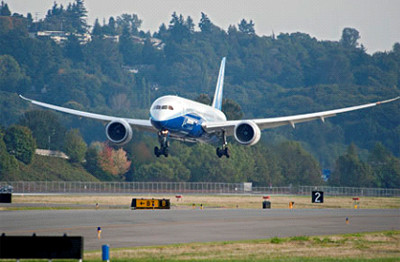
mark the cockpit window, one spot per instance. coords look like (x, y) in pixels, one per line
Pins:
(163, 107)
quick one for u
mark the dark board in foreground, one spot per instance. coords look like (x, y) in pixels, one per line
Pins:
(42, 247)
(127, 228)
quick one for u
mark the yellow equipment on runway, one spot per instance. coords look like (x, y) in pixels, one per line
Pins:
(150, 203)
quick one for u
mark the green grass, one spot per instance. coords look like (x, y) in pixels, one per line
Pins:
(45, 168)
(277, 240)
(377, 246)
(300, 238)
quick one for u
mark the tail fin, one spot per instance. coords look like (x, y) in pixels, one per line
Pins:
(217, 102)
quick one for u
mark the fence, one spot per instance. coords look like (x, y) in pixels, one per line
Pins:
(186, 187)
(127, 187)
(330, 191)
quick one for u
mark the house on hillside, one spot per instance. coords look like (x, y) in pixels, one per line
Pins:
(60, 37)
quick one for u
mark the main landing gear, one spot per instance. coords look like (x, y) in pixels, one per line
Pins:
(164, 143)
(224, 151)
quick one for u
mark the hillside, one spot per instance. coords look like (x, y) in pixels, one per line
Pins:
(45, 168)
(120, 70)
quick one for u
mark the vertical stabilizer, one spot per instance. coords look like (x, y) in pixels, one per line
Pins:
(217, 102)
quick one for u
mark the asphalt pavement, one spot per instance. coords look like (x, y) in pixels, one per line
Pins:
(129, 228)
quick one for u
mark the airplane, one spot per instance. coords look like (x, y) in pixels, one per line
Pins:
(173, 117)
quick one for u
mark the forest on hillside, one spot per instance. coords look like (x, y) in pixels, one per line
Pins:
(121, 70)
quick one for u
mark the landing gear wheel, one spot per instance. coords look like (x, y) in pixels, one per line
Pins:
(222, 152)
(163, 137)
(219, 152)
(226, 152)
(157, 151)
(165, 151)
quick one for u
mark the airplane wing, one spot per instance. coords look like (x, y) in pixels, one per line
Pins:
(140, 124)
(265, 123)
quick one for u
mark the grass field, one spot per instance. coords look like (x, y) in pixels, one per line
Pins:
(379, 246)
(217, 201)
(375, 246)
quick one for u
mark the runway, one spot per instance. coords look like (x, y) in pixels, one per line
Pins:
(129, 228)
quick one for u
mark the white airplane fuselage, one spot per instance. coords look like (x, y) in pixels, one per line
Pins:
(183, 118)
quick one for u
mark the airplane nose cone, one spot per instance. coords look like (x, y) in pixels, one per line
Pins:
(159, 116)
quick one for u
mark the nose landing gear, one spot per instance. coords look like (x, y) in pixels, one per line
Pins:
(224, 151)
(163, 139)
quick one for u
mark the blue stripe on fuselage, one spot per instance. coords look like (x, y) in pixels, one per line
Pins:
(187, 125)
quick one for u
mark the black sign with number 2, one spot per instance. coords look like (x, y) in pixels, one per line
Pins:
(317, 197)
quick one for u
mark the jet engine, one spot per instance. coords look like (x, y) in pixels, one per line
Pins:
(247, 133)
(119, 132)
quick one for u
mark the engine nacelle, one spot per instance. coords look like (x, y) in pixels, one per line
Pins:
(119, 132)
(247, 133)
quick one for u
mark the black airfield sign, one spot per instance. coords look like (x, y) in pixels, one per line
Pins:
(317, 196)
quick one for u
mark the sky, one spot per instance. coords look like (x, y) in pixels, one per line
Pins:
(377, 21)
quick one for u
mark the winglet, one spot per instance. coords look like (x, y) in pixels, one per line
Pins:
(388, 101)
(217, 102)
(23, 97)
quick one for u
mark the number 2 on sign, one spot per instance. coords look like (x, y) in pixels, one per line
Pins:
(317, 197)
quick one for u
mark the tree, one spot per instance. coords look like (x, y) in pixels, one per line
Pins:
(247, 27)
(93, 160)
(46, 128)
(74, 146)
(155, 172)
(232, 110)
(298, 166)
(7, 161)
(121, 162)
(111, 27)
(12, 77)
(78, 13)
(4, 10)
(385, 167)
(350, 171)
(113, 162)
(267, 170)
(232, 30)
(97, 30)
(162, 32)
(396, 49)
(20, 143)
(350, 37)
(189, 24)
(129, 23)
(29, 20)
(205, 23)
(73, 48)
(179, 28)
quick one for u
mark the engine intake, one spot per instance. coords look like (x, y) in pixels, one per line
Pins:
(119, 132)
(247, 133)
